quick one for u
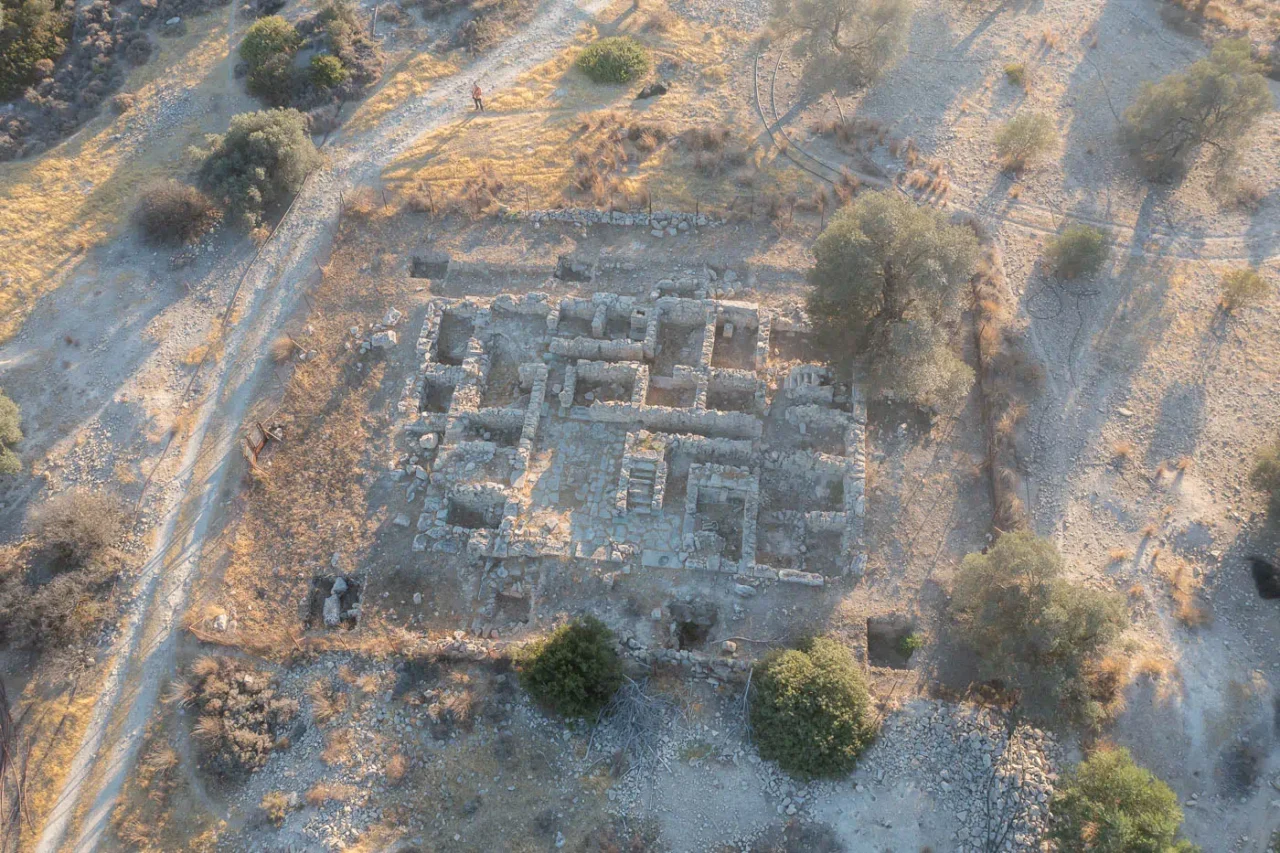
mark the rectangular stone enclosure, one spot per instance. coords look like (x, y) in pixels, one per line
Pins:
(645, 435)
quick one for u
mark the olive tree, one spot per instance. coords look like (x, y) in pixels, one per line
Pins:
(262, 159)
(1108, 803)
(1031, 627)
(1212, 103)
(857, 39)
(886, 282)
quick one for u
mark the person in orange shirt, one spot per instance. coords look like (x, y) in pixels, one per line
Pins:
(477, 96)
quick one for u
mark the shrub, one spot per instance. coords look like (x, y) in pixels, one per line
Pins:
(1025, 138)
(1016, 73)
(78, 524)
(241, 718)
(173, 213)
(263, 158)
(1109, 803)
(1242, 287)
(1214, 102)
(66, 610)
(10, 434)
(328, 71)
(886, 281)
(268, 38)
(31, 36)
(810, 711)
(575, 671)
(1265, 476)
(1080, 250)
(910, 644)
(617, 59)
(1034, 630)
(276, 805)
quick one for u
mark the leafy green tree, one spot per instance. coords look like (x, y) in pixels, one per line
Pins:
(10, 434)
(1213, 103)
(886, 283)
(267, 38)
(1031, 627)
(32, 32)
(1265, 476)
(575, 671)
(855, 39)
(1108, 804)
(1024, 139)
(262, 159)
(810, 711)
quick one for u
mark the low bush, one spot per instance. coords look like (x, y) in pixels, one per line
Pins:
(241, 717)
(575, 671)
(1243, 287)
(10, 434)
(1079, 251)
(328, 71)
(810, 711)
(1016, 73)
(617, 59)
(909, 644)
(78, 525)
(261, 160)
(1024, 139)
(173, 213)
(1109, 803)
(1265, 476)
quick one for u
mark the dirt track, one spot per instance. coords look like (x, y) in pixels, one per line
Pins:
(144, 652)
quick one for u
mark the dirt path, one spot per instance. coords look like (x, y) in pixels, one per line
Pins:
(144, 653)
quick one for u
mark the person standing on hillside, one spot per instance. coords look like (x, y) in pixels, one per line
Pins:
(477, 96)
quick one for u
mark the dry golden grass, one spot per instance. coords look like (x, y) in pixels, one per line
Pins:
(1119, 555)
(409, 78)
(57, 205)
(1122, 451)
(529, 135)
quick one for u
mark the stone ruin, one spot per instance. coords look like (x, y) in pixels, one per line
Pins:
(672, 433)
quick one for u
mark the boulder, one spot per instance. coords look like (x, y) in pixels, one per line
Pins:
(332, 611)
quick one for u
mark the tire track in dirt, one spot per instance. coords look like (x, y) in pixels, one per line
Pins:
(1030, 217)
(144, 653)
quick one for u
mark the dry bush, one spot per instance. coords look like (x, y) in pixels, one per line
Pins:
(78, 524)
(327, 701)
(397, 767)
(1016, 73)
(1183, 588)
(173, 213)
(1024, 139)
(1119, 554)
(337, 747)
(326, 792)
(277, 805)
(241, 719)
(1121, 452)
(1242, 288)
(479, 195)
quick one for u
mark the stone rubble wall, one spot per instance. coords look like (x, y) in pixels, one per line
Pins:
(588, 216)
(593, 349)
